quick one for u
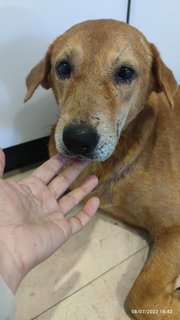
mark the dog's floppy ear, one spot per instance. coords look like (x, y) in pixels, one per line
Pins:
(163, 77)
(39, 75)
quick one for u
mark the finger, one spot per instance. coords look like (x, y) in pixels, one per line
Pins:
(79, 221)
(2, 163)
(69, 201)
(62, 182)
(49, 169)
(63, 229)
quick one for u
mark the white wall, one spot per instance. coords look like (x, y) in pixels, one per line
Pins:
(27, 28)
(159, 21)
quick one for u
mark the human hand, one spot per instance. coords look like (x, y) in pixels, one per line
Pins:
(33, 220)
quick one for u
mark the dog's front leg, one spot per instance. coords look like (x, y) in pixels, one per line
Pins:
(153, 296)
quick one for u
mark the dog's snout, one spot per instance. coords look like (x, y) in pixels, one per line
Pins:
(80, 139)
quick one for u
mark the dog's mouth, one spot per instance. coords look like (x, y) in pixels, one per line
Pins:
(84, 142)
(97, 154)
(76, 155)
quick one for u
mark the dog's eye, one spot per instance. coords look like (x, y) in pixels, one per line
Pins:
(63, 70)
(124, 74)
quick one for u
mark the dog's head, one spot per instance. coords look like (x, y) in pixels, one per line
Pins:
(101, 73)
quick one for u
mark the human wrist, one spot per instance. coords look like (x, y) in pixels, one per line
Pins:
(9, 269)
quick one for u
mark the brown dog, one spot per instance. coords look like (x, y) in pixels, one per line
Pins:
(119, 105)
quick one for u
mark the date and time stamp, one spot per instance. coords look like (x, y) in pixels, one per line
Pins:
(152, 311)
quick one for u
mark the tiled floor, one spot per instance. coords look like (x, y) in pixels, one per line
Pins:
(88, 278)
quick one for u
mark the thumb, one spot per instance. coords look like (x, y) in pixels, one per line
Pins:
(2, 162)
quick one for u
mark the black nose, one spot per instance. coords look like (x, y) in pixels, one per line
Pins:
(80, 139)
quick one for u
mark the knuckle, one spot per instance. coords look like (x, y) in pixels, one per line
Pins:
(65, 180)
(49, 167)
(72, 199)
